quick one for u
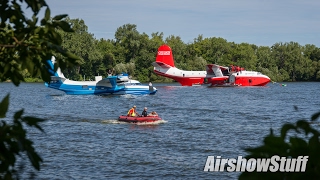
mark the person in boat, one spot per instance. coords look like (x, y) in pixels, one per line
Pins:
(153, 113)
(132, 112)
(144, 112)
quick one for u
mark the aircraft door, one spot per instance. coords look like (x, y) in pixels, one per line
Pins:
(232, 79)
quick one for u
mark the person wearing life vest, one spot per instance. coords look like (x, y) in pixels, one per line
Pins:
(132, 112)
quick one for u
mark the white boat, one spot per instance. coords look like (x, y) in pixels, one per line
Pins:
(135, 87)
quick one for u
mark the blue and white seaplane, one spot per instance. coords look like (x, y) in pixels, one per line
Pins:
(119, 85)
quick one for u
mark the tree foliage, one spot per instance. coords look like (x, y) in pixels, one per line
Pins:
(25, 46)
(14, 141)
(298, 139)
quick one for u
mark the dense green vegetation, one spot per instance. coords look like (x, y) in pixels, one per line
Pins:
(24, 47)
(294, 140)
(133, 52)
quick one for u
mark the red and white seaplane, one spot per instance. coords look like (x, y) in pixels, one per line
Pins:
(214, 75)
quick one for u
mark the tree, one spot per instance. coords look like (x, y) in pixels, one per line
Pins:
(244, 55)
(311, 52)
(264, 57)
(14, 141)
(178, 50)
(146, 56)
(128, 37)
(108, 61)
(214, 50)
(84, 45)
(25, 46)
(298, 139)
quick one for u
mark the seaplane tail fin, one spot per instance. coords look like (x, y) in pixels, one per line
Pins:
(58, 73)
(164, 57)
(113, 81)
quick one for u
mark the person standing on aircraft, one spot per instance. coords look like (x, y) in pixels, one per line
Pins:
(144, 112)
(150, 87)
(132, 112)
(110, 72)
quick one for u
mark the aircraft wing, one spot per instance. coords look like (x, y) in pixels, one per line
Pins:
(209, 69)
(161, 64)
(214, 69)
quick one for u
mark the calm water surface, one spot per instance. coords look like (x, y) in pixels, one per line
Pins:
(83, 139)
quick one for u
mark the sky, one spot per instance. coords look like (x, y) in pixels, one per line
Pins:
(259, 22)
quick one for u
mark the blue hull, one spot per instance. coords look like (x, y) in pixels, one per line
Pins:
(134, 92)
(99, 90)
(138, 92)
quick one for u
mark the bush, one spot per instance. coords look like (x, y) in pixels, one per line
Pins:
(290, 144)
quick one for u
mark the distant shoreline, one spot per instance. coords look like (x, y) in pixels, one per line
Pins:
(156, 82)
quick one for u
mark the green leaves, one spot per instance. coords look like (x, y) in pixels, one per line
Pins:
(33, 121)
(315, 116)
(59, 17)
(47, 14)
(14, 141)
(24, 48)
(298, 139)
(36, 5)
(285, 128)
(64, 26)
(4, 105)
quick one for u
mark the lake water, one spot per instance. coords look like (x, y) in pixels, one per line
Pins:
(84, 140)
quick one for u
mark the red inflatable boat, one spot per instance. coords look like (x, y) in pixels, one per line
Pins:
(138, 119)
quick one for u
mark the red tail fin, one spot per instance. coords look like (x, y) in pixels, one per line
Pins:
(164, 55)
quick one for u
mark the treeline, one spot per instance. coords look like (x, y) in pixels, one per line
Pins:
(133, 52)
